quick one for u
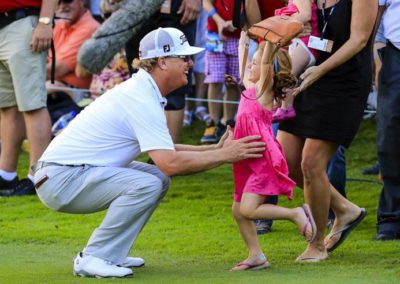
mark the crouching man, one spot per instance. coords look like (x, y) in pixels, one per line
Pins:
(91, 165)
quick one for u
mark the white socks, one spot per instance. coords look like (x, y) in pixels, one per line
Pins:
(8, 175)
(32, 178)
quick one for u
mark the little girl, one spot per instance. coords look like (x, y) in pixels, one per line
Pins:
(301, 55)
(257, 179)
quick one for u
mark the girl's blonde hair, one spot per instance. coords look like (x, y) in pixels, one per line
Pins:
(283, 78)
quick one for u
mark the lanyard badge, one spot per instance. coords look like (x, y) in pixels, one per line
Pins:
(320, 43)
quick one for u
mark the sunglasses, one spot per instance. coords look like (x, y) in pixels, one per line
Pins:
(185, 58)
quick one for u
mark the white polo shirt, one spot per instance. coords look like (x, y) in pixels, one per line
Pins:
(391, 21)
(116, 128)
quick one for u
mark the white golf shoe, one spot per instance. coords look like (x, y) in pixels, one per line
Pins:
(91, 266)
(133, 262)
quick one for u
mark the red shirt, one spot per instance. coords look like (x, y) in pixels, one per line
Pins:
(268, 7)
(8, 5)
(227, 15)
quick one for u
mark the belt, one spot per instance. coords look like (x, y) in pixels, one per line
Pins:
(40, 165)
(7, 18)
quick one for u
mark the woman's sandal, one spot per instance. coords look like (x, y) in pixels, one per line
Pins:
(241, 266)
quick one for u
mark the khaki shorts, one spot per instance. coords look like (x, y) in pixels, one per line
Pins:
(22, 72)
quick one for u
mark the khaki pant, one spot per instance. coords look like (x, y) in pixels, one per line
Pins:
(22, 72)
(131, 195)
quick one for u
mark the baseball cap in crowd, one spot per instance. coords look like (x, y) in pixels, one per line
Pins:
(165, 42)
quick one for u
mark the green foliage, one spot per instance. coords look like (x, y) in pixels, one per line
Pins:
(192, 237)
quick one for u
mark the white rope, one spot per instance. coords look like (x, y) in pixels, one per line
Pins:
(211, 101)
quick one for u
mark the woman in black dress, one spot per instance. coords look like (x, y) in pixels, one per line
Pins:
(329, 109)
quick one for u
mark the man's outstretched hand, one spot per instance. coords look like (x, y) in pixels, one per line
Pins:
(244, 148)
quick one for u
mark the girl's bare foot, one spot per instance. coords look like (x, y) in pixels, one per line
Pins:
(252, 263)
(305, 223)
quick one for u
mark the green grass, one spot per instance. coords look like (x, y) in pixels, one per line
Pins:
(192, 238)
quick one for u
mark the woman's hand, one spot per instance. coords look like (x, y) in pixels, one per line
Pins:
(308, 78)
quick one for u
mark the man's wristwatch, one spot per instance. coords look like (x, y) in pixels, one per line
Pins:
(45, 20)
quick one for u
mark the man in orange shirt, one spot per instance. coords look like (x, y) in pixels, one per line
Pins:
(75, 27)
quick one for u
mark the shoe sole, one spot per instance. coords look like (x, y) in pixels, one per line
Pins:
(6, 192)
(263, 232)
(310, 259)
(133, 266)
(99, 276)
(388, 237)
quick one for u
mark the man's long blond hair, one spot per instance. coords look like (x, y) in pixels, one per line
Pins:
(146, 64)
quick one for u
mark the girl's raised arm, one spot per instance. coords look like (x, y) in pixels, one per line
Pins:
(265, 83)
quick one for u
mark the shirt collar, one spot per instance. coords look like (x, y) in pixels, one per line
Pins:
(144, 75)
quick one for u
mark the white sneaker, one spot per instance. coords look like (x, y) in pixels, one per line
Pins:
(133, 262)
(91, 266)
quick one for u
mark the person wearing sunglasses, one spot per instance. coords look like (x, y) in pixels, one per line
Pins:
(91, 165)
(76, 25)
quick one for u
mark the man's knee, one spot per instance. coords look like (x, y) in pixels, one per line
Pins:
(165, 182)
(157, 188)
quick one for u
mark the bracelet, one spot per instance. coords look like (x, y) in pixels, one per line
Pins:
(211, 12)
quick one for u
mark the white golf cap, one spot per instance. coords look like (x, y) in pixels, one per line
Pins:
(165, 42)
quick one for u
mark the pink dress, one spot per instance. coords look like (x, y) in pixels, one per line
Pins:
(291, 9)
(267, 175)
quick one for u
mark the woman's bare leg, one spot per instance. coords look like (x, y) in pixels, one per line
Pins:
(325, 195)
(292, 147)
(317, 191)
(345, 213)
